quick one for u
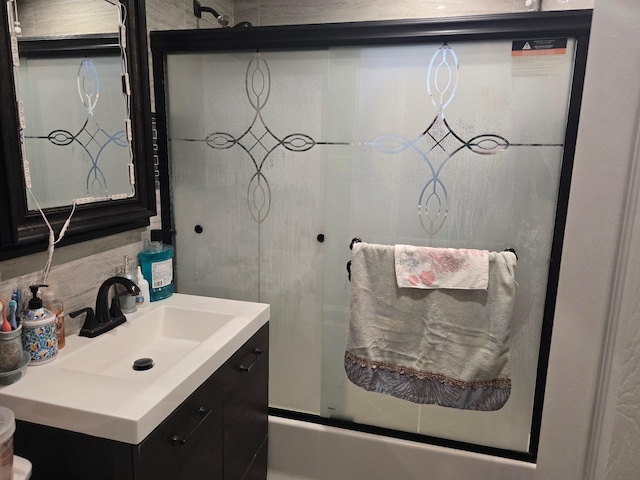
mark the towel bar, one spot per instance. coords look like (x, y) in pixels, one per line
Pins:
(355, 240)
(512, 250)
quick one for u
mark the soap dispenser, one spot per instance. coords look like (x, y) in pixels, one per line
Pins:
(39, 330)
(127, 302)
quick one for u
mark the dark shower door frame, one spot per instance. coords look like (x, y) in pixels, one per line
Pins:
(520, 26)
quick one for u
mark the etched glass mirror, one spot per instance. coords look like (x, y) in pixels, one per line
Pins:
(76, 121)
(76, 129)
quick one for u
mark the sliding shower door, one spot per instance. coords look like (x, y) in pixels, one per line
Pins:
(455, 145)
(279, 158)
(260, 205)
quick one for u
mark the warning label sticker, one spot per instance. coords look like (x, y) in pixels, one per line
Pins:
(538, 58)
(530, 48)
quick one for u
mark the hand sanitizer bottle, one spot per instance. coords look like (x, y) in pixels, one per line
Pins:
(142, 300)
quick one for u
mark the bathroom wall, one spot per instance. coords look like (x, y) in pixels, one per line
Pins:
(44, 17)
(178, 14)
(279, 12)
(591, 420)
(66, 17)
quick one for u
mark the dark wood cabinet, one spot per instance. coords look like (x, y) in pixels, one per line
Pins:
(245, 383)
(258, 468)
(219, 432)
(188, 444)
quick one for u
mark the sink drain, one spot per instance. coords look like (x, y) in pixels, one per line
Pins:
(143, 364)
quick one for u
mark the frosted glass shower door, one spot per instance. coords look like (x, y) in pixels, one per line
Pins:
(278, 159)
(240, 172)
(461, 146)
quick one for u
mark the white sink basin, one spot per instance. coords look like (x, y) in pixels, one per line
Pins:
(166, 335)
(92, 388)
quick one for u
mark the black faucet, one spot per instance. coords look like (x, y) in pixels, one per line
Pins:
(105, 317)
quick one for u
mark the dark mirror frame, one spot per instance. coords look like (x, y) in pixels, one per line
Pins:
(22, 231)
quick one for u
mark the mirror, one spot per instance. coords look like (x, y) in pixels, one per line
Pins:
(81, 134)
(83, 155)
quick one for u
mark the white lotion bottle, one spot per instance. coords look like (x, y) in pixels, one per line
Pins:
(142, 299)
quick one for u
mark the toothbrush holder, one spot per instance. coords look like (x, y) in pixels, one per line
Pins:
(10, 349)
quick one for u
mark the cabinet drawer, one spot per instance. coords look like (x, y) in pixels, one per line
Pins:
(188, 444)
(258, 468)
(56, 453)
(246, 393)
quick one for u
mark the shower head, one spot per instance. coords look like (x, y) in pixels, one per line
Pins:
(198, 9)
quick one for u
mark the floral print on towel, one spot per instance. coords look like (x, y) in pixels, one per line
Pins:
(426, 267)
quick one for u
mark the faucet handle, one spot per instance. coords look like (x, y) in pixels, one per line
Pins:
(88, 311)
(90, 321)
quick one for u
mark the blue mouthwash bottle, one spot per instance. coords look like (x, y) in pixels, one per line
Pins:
(156, 262)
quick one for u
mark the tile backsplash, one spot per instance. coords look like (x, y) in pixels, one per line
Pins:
(77, 271)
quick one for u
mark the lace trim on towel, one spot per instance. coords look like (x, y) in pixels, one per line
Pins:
(497, 382)
(425, 390)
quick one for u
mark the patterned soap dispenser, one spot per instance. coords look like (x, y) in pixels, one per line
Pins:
(39, 330)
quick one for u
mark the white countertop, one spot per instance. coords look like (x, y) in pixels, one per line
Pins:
(125, 409)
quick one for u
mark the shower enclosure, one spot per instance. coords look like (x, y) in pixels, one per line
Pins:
(278, 145)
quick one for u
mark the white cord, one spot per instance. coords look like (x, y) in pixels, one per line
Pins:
(15, 23)
(52, 240)
(122, 29)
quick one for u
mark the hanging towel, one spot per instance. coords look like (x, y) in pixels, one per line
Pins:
(426, 267)
(444, 347)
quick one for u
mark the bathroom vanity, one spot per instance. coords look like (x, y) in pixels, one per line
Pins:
(200, 415)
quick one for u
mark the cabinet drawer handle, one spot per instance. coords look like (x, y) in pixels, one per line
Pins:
(257, 352)
(178, 440)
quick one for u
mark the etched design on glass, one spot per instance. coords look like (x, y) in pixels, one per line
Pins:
(259, 197)
(436, 145)
(91, 137)
(258, 141)
(446, 87)
(438, 140)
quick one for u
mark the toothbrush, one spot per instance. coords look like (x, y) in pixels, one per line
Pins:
(13, 306)
(6, 326)
(17, 296)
